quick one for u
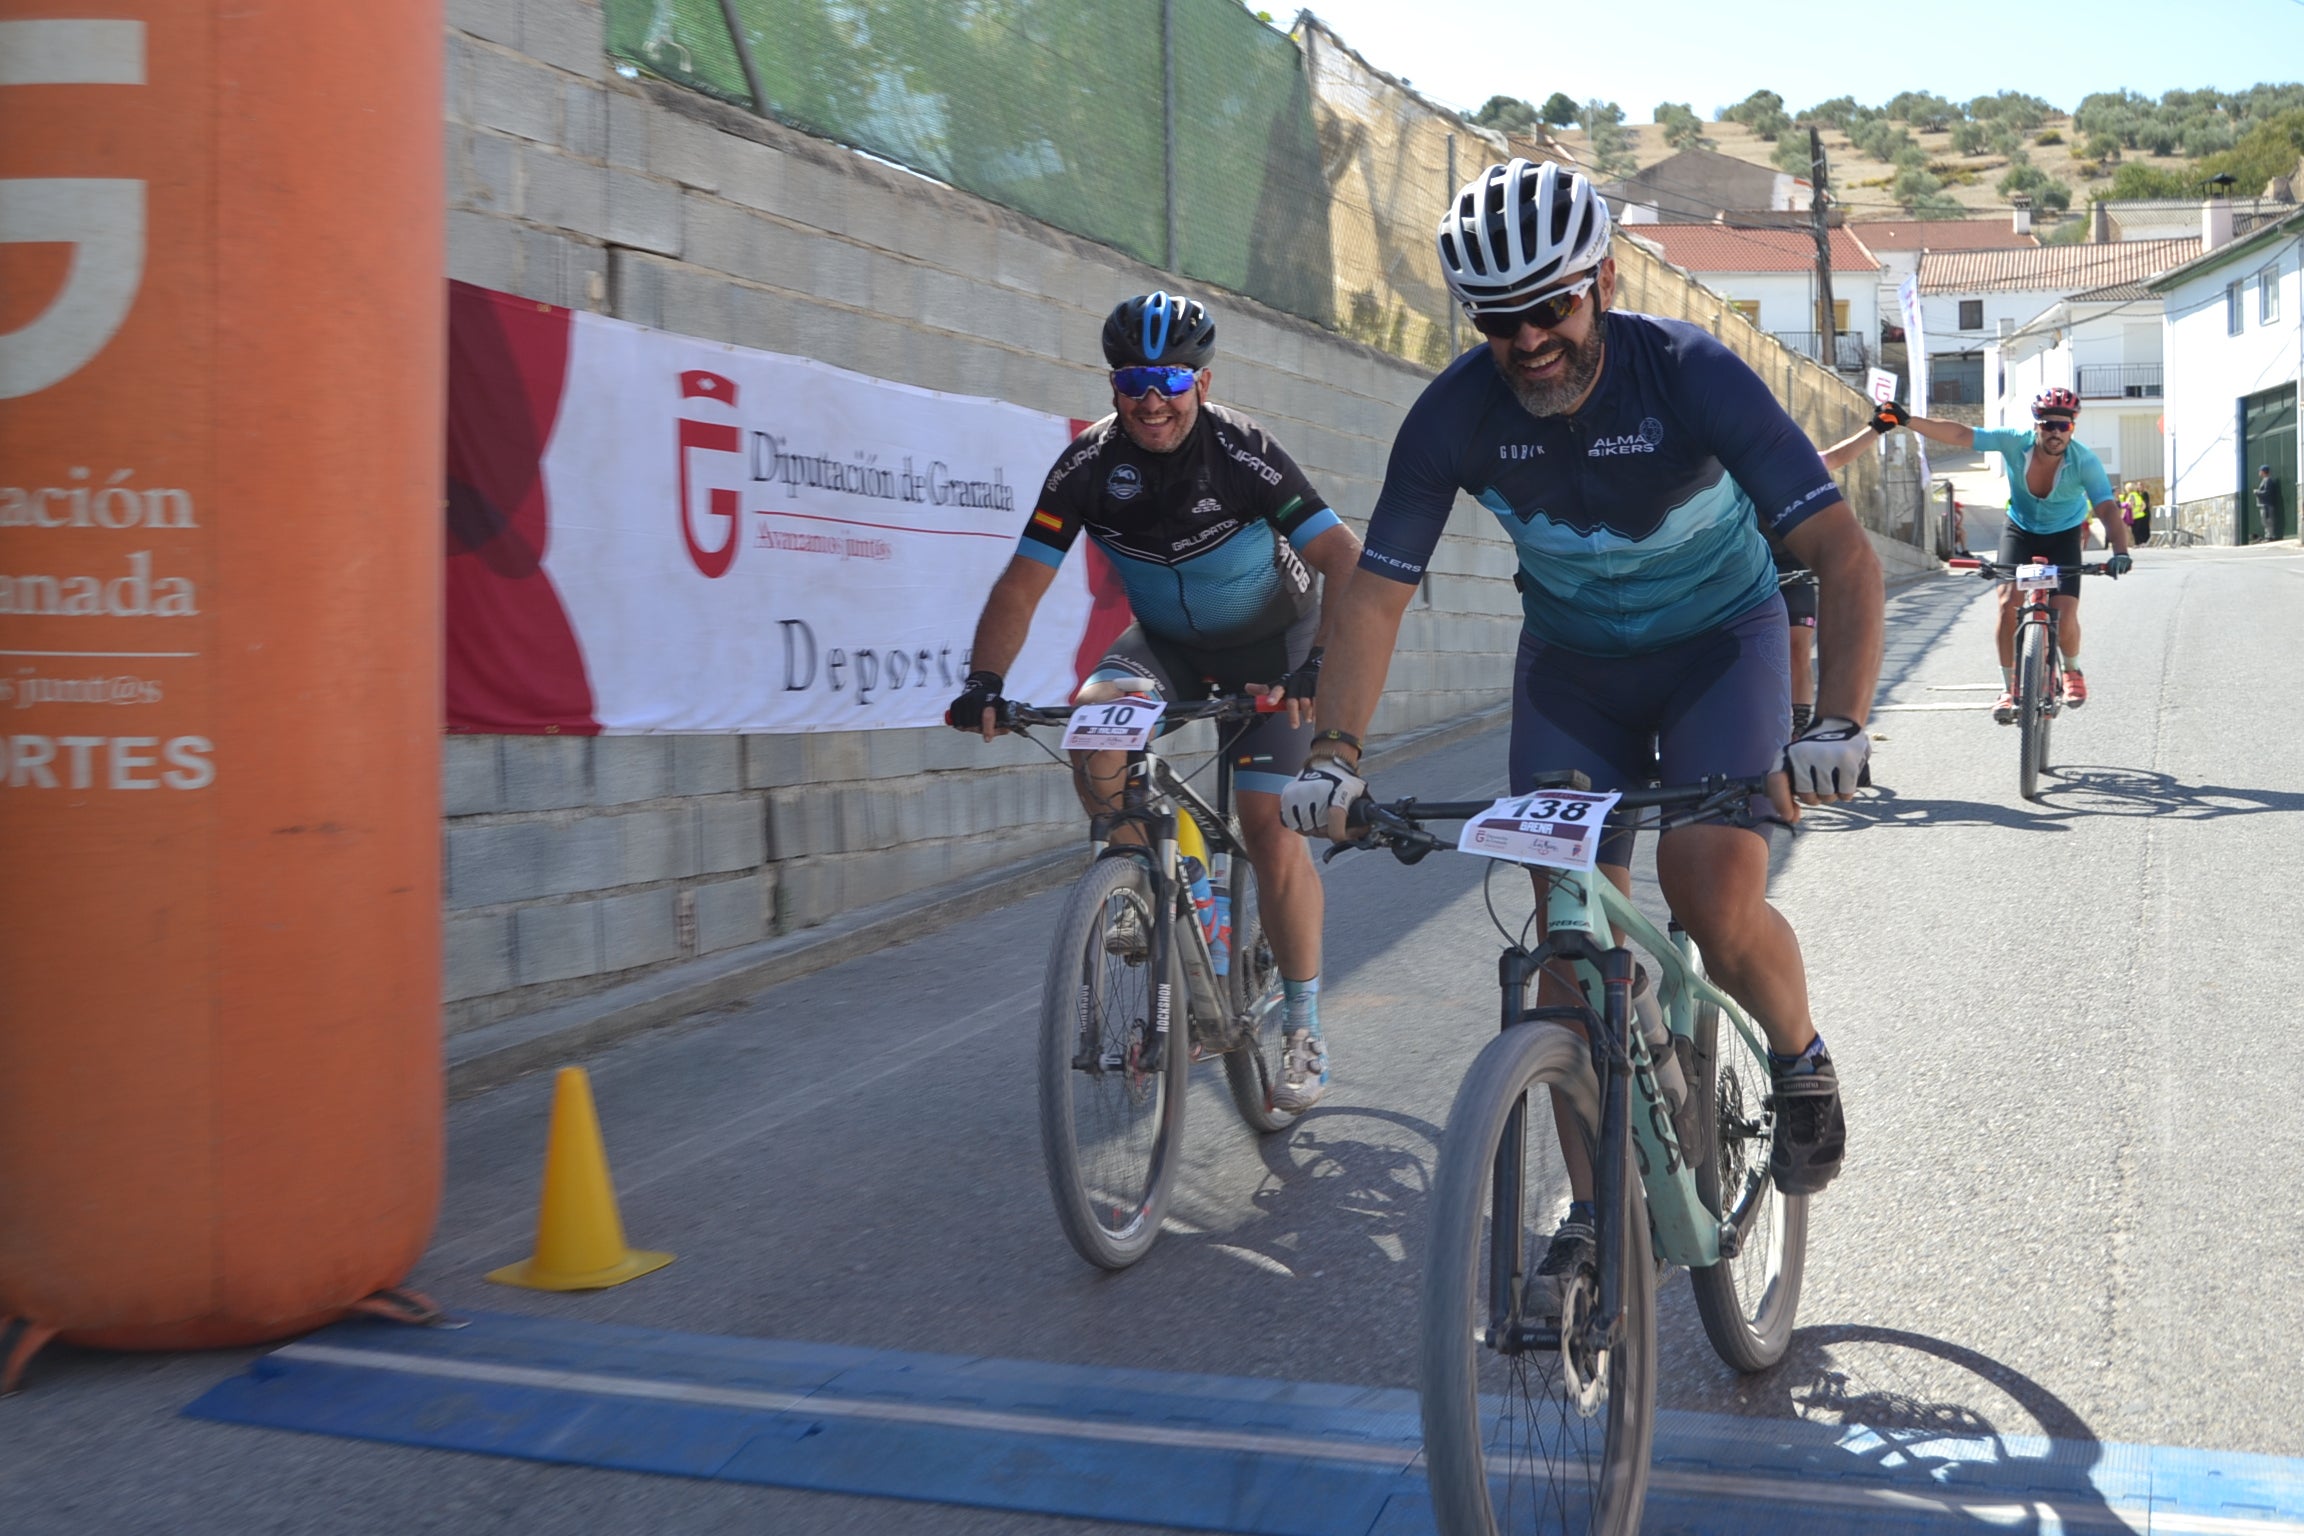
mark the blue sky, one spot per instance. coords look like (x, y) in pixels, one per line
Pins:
(1711, 53)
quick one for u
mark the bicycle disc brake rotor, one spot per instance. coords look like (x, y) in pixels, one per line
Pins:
(1583, 1370)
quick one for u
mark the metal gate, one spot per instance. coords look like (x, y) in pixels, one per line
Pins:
(2268, 436)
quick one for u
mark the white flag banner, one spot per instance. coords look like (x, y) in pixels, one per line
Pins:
(1915, 362)
(744, 541)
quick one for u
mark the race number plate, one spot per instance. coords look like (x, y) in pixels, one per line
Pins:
(1125, 726)
(1558, 828)
(2029, 577)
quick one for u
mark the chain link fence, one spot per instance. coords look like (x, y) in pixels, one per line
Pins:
(1191, 136)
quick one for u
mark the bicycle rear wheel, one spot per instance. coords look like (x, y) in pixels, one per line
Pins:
(1538, 1439)
(1747, 1302)
(1112, 1068)
(1253, 1066)
(2032, 683)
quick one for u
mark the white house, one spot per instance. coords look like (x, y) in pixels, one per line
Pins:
(2105, 346)
(1770, 275)
(1969, 299)
(2233, 356)
(1898, 244)
(1697, 186)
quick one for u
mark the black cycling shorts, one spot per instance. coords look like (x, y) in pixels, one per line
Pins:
(1265, 753)
(1719, 702)
(1800, 603)
(2062, 550)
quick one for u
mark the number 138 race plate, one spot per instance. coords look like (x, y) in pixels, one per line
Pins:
(1123, 727)
(1558, 828)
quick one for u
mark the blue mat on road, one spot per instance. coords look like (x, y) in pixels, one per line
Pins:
(1212, 1453)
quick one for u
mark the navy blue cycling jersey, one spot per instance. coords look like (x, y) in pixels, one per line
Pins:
(1204, 537)
(1639, 518)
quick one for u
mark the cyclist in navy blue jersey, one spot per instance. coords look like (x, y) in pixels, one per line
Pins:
(1638, 467)
(1215, 534)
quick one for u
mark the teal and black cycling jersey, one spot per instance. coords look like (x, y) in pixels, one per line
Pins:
(1637, 519)
(2080, 482)
(1204, 537)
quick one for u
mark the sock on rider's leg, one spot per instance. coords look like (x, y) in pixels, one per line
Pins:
(1801, 1061)
(1302, 1002)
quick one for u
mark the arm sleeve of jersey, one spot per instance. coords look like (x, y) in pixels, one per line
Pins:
(2092, 480)
(1994, 440)
(1055, 522)
(1761, 446)
(1294, 507)
(1412, 508)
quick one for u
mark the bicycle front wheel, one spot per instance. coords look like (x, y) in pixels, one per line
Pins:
(1521, 1437)
(2032, 683)
(1747, 1302)
(1253, 1066)
(1112, 1067)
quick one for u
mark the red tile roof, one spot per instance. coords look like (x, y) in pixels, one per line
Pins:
(1940, 235)
(2052, 268)
(1718, 248)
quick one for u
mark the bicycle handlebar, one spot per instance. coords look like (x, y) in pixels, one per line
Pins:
(1399, 825)
(1993, 569)
(1223, 709)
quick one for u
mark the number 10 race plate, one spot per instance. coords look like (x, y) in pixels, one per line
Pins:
(1557, 828)
(1123, 727)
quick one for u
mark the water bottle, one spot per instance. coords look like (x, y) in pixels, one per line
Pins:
(1220, 936)
(1203, 900)
(1663, 1060)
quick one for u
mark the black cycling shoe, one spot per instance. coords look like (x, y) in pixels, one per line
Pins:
(1571, 1253)
(1811, 1133)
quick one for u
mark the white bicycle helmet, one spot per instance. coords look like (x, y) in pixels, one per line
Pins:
(1518, 229)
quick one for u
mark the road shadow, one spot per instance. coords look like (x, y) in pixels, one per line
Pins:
(1950, 1425)
(2070, 794)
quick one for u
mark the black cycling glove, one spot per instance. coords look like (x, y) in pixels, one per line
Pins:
(2119, 565)
(1304, 682)
(1887, 416)
(982, 693)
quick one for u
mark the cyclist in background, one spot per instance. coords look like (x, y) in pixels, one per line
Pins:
(1633, 461)
(1211, 526)
(2054, 484)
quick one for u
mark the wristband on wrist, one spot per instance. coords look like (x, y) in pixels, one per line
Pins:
(1326, 743)
(992, 681)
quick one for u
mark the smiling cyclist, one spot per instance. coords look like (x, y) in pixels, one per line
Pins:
(1634, 462)
(1211, 526)
(2054, 485)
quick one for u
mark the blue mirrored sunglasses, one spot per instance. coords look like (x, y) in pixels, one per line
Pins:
(1136, 383)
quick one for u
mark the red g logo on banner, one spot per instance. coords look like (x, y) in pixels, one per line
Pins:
(714, 437)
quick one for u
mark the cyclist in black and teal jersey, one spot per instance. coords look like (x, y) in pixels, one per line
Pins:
(1635, 463)
(2054, 485)
(1216, 535)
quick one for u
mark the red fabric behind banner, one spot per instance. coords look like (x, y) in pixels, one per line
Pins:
(512, 660)
(1111, 614)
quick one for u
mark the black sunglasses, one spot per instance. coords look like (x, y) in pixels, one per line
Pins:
(1545, 314)
(2053, 423)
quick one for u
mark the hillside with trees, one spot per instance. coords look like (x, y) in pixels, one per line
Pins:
(1921, 155)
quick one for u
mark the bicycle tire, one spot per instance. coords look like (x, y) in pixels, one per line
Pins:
(2031, 708)
(1112, 1136)
(1747, 1303)
(1570, 1483)
(1253, 991)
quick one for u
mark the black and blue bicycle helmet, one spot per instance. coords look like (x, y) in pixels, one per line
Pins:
(1159, 328)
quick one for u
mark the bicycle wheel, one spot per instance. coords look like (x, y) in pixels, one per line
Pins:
(1538, 1439)
(1747, 1302)
(1253, 1066)
(2032, 707)
(1112, 1085)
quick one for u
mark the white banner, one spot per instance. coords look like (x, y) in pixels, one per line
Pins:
(743, 541)
(1915, 363)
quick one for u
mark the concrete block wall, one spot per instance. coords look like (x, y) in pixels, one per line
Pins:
(574, 863)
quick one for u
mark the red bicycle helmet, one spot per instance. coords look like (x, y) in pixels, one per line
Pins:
(2058, 399)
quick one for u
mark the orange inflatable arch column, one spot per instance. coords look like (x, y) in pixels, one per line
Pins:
(221, 361)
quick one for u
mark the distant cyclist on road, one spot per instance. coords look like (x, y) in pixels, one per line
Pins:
(1210, 525)
(1634, 461)
(2054, 484)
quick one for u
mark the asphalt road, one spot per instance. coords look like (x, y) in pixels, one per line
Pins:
(2064, 1029)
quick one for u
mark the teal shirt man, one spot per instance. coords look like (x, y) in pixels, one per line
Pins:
(2080, 482)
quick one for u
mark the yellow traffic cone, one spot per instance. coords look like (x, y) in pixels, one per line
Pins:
(579, 1236)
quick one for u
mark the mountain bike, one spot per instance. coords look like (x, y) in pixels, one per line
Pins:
(1539, 1399)
(1132, 951)
(2039, 660)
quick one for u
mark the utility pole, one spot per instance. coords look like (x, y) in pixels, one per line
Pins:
(1817, 171)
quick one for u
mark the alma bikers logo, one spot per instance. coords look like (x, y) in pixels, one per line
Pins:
(1646, 440)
